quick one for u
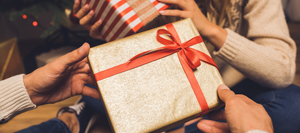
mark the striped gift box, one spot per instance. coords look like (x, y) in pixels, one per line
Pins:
(122, 18)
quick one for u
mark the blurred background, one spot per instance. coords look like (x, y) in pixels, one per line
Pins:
(34, 32)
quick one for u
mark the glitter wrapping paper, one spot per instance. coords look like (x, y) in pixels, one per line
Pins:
(123, 17)
(156, 96)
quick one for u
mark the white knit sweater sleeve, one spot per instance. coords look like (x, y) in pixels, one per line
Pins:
(14, 98)
(267, 54)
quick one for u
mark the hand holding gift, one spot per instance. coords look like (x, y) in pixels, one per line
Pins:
(215, 34)
(85, 15)
(62, 78)
(115, 19)
(241, 113)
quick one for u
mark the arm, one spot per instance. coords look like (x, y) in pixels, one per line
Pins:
(14, 98)
(60, 79)
(267, 54)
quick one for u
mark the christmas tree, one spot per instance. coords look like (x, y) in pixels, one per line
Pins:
(34, 8)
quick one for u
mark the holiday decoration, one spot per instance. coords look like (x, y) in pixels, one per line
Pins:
(33, 8)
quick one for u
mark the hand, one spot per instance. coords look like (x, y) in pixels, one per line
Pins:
(241, 113)
(62, 78)
(85, 16)
(215, 34)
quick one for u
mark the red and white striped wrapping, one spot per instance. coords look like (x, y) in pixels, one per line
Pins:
(122, 18)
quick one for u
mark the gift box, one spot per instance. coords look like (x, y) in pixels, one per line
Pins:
(123, 17)
(157, 79)
(10, 60)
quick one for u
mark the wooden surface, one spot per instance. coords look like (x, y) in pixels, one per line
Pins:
(46, 112)
(36, 116)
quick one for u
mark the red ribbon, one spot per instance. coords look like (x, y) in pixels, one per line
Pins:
(189, 58)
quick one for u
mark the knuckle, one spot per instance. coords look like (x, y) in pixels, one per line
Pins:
(92, 34)
(174, 1)
(232, 101)
(260, 106)
(177, 13)
(93, 29)
(189, 15)
(81, 22)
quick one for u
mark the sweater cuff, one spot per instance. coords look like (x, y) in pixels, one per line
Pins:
(230, 48)
(14, 98)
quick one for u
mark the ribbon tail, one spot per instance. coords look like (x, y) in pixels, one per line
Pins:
(205, 58)
(133, 64)
(195, 85)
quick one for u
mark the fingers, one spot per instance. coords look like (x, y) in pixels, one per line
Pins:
(73, 57)
(85, 21)
(172, 1)
(94, 93)
(94, 30)
(83, 11)
(209, 126)
(177, 13)
(192, 121)
(188, 9)
(181, 3)
(90, 80)
(81, 67)
(225, 93)
(76, 6)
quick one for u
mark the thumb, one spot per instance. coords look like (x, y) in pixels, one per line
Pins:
(225, 93)
(74, 56)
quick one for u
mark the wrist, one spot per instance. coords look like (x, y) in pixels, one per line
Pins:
(215, 35)
(29, 88)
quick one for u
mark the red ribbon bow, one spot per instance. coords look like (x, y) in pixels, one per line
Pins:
(189, 58)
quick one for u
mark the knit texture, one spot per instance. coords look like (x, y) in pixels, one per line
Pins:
(258, 45)
(14, 98)
(262, 50)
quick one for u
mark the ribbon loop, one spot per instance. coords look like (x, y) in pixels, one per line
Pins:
(184, 51)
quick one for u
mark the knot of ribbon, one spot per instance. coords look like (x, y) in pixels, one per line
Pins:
(189, 58)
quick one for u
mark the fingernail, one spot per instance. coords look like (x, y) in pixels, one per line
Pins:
(86, 6)
(223, 87)
(162, 12)
(77, 1)
(91, 12)
(99, 21)
(81, 49)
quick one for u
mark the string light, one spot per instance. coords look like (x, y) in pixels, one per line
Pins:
(24, 16)
(34, 23)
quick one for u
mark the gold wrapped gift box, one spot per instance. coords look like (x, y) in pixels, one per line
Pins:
(156, 96)
(10, 60)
